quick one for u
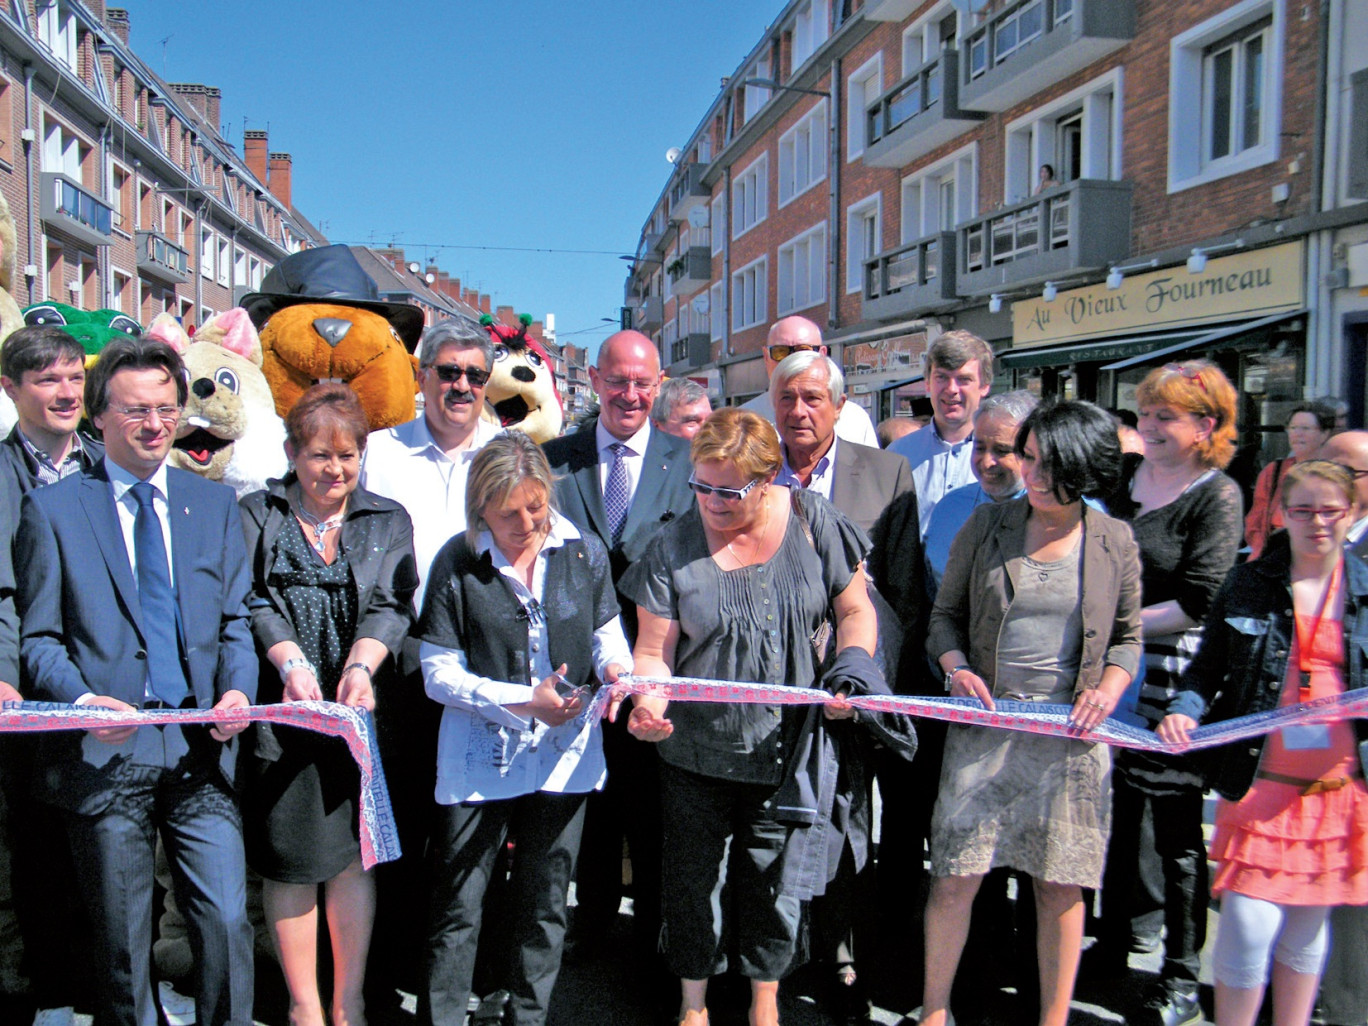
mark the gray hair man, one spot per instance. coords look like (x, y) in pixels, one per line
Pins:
(680, 407)
(808, 393)
(799, 335)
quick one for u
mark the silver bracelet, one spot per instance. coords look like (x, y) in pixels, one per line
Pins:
(296, 663)
(358, 666)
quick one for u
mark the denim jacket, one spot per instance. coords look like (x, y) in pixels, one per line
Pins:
(1241, 665)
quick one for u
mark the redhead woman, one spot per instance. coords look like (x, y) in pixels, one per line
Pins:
(1308, 427)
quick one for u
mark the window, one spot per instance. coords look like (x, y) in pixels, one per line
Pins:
(862, 238)
(7, 153)
(63, 151)
(207, 250)
(1357, 183)
(1078, 134)
(717, 304)
(801, 278)
(810, 31)
(750, 196)
(225, 260)
(749, 287)
(1225, 88)
(121, 197)
(925, 38)
(1233, 72)
(862, 89)
(802, 155)
(755, 96)
(124, 299)
(718, 215)
(239, 267)
(57, 31)
(940, 197)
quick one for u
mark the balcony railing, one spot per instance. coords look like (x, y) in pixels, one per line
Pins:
(648, 313)
(918, 114)
(1032, 44)
(159, 256)
(916, 277)
(691, 269)
(1082, 226)
(71, 208)
(690, 352)
(688, 185)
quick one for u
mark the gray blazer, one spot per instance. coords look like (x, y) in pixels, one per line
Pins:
(865, 480)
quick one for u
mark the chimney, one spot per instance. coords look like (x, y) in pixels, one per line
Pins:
(116, 19)
(254, 152)
(484, 303)
(505, 315)
(471, 298)
(202, 98)
(281, 164)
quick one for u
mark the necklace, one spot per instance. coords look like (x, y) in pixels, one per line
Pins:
(321, 527)
(759, 541)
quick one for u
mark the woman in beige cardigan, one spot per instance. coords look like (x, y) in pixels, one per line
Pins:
(1040, 602)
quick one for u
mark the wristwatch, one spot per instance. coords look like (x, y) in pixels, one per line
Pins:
(297, 663)
(950, 675)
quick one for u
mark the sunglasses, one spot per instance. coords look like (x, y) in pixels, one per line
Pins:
(450, 373)
(781, 350)
(1306, 513)
(725, 494)
(1190, 373)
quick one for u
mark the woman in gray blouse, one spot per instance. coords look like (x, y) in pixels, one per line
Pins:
(733, 590)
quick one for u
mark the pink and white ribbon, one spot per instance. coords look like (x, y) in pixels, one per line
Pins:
(1032, 717)
(379, 839)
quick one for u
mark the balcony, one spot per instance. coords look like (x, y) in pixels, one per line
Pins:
(1033, 44)
(1078, 228)
(687, 190)
(652, 245)
(890, 10)
(160, 258)
(67, 207)
(913, 279)
(690, 270)
(648, 313)
(918, 114)
(689, 353)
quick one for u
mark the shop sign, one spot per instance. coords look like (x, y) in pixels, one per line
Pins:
(1254, 284)
(901, 355)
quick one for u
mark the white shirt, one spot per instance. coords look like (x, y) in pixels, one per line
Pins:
(821, 474)
(1356, 532)
(938, 467)
(126, 505)
(405, 463)
(852, 423)
(633, 457)
(485, 751)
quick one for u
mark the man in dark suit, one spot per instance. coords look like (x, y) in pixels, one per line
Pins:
(133, 584)
(42, 370)
(622, 479)
(808, 391)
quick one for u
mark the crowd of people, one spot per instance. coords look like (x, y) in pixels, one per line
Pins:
(474, 590)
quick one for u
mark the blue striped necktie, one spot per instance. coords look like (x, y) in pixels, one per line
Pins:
(157, 597)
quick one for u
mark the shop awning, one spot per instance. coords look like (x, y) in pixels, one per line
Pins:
(1138, 346)
(1222, 336)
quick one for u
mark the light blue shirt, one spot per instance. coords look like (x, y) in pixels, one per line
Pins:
(938, 467)
(939, 530)
(820, 482)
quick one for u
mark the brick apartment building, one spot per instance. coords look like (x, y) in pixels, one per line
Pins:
(876, 166)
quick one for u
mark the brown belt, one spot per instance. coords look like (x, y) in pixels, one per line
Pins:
(1308, 786)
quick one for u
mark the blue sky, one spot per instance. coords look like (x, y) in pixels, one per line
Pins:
(438, 125)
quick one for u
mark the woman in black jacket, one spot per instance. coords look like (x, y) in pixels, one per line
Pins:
(333, 581)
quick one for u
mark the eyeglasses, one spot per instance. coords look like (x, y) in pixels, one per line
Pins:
(780, 350)
(1305, 513)
(729, 495)
(450, 373)
(1190, 373)
(169, 414)
(623, 384)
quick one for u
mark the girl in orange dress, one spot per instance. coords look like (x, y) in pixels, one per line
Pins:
(1291, 837)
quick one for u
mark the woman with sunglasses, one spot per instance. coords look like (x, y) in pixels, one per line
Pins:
(1291, 835)
(734, 590)
(1186, 517)
(1309, 425)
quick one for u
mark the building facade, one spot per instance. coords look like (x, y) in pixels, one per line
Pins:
(1094, 186)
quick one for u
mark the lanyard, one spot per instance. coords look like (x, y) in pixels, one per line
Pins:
(1305, 642)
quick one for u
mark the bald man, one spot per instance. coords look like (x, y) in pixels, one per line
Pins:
(798, 335)
(623, 479)
(1350, 448)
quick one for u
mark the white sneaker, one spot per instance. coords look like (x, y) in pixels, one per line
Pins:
(54, 1017)
(179, 1009)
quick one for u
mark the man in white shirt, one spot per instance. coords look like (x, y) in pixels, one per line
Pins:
(423, 464)
(798, 335)
(959, 373)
